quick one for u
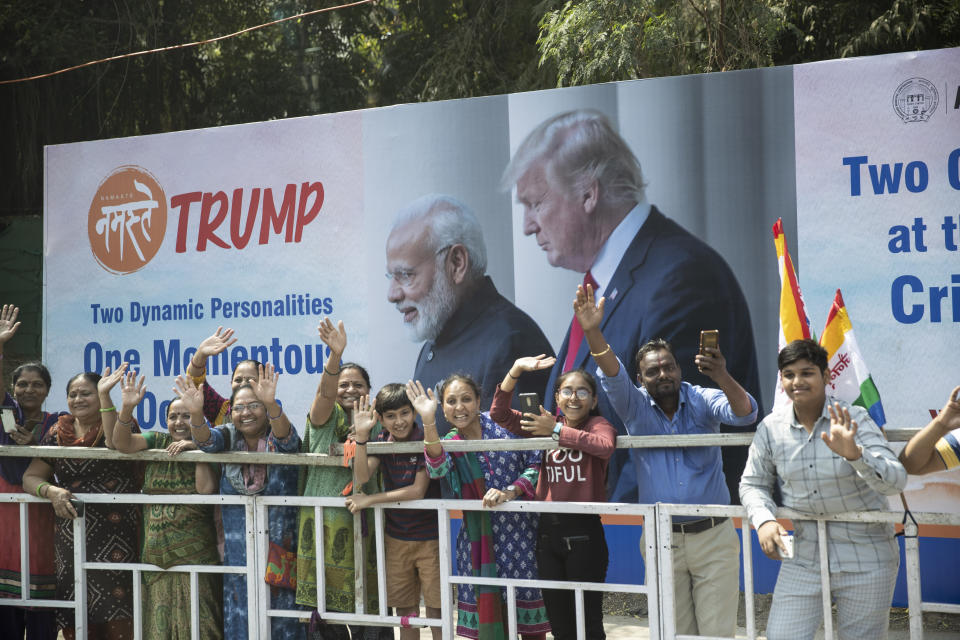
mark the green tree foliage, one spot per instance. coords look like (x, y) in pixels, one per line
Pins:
(605, 40)
(295, 68)
(384, 53)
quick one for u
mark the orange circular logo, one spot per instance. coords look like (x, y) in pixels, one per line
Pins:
(127, 221)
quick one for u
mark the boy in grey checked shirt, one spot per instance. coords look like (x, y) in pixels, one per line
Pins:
(827, 457)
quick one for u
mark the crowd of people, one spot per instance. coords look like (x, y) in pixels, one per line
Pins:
(823, 456)
(649, 288)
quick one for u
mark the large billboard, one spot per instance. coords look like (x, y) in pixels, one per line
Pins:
(878, 213)
(153, 242)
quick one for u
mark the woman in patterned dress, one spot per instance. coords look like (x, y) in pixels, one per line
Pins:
(258, 424)
(31, 384)
(494, 477)
(173, 534)
(111, 528)
(330, 421)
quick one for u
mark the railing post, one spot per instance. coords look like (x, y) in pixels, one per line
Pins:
(255, 626)
(379, 533)
(663, 535)
(80, 578)
(318, 553)
(825, 580)
(24, 552)
(746, 543)
(359, 566)
(652, 574)
(911, 553)
(136, 584)
(446, 598)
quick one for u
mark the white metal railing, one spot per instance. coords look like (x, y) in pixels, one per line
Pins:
(658, 585)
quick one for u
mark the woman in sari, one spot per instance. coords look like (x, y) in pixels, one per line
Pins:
(490, 544)
(173, 534)
(329, 422)
(111, 528)
(258, 424)
(31, 384)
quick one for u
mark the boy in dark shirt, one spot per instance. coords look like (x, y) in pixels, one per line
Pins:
(411, 544)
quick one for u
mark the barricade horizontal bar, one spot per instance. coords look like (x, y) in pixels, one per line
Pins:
(159, 455)
(134, 498)
(336, 451)
(707, 511)
(180, 568)
(941, 607)
(368, 620)
(551, 584)
(20, 602)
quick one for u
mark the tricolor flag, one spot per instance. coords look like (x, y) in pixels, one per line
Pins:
(850, 379)
(794, 321)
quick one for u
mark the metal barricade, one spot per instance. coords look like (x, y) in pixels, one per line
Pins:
(658, 584)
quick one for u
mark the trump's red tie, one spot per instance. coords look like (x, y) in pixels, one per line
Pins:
(576, 331)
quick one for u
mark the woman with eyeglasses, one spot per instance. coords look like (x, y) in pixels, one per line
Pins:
(570, 546)
(257, 423)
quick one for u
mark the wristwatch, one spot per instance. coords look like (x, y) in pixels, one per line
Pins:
(514, 488)
(556, 432)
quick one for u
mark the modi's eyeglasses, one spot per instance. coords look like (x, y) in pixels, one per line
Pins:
(404, 277)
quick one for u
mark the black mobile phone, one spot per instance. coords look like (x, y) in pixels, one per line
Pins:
(530, 403)
(77, 506)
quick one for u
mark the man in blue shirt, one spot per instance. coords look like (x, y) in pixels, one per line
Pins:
(706, 559)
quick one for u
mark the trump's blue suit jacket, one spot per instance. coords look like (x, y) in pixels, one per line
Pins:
(671, 285)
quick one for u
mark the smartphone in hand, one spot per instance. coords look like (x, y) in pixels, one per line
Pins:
(709, 338)
(530, 403)
(9, 423)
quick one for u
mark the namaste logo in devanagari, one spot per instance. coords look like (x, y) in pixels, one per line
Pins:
(123, 217)
(128, 218)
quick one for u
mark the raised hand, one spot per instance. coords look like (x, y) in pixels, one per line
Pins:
(189, 393)
(589, 312)
(364, 419)
(132, 391)
(266, 386)
(8, 322)
(216, 343)
(538, 425)
(334, 337)
(949, 416)
(109, 379)
(712, 363)
(532, 363)
(841, 438)
(425, 402)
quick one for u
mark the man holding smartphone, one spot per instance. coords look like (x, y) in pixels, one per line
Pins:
(706, 560)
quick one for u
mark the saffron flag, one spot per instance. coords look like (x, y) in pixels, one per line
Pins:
(850, 379)
(794, 321)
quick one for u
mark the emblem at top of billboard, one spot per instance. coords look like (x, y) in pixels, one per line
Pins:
(127, 220)
(915, 100)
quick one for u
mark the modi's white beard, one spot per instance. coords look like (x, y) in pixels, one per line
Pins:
(433, 310)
